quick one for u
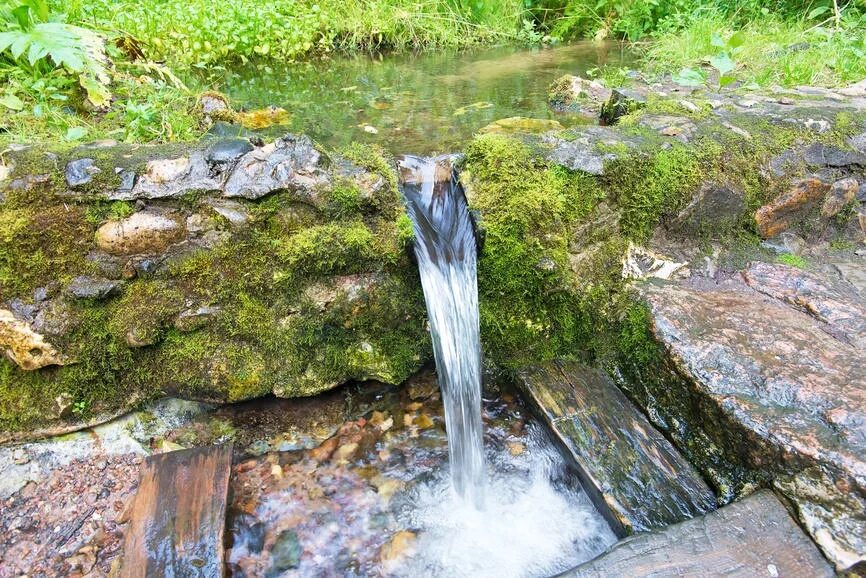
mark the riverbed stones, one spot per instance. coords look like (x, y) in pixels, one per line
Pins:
(631, 471)
(749, 538)
(774, 362)
(142, 232)
(26, 348)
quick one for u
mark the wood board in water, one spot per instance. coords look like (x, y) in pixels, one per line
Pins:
(177, 521)
(634, 474)
(752, 537)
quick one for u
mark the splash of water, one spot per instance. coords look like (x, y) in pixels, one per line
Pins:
(446, 252)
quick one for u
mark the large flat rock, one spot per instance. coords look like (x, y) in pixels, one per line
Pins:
(750, 538)
(774, 364)
(177, 521)
(626, 464)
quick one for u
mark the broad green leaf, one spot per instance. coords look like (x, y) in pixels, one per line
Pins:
(75, 133)
(12, 102)
(39, 8)
(723, 63)
(726, 80)
(737, 39)
(717, 40)
(22, 15)
(690, 77)
(818, 11)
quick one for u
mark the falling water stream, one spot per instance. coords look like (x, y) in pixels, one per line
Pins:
(446, 252)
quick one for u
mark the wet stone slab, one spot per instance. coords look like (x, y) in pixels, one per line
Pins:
(633, 470)
(774, 359)
(752, 538)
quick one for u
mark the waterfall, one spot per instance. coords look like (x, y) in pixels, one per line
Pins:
(446, 252)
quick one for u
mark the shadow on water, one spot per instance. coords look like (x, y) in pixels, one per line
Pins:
(423, 103)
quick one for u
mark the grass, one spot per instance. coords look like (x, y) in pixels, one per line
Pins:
(776, 52)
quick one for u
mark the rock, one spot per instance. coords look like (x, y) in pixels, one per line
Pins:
(398, 547)
(861, 193)
(20, 456)
(589, 149)
(856, 89)
(26, 348)
(750, 538)
(571, 93)
(92, 288)
(80, 172)
(142, 232)
(641, 263)
(227, 150)
(821, 155)
(714, 209)
(285, 554)
(785, 243)
(836, 303)
(234, 212)
(166, 178)
(63, 405)
(290, 163)
(127, 181)
(520, 125)
(861, 218)
(790, 207)
(622, 101)
(262, 118)
(857, 142)
(632, 473)
(773, 364)
(193, 319)
(674, 126)
(841, 194)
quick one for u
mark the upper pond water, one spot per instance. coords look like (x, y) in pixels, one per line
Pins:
(416, 103)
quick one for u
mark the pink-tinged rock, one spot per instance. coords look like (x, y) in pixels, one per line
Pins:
(775, 362)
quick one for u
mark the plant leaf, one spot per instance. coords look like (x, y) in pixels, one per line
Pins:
(817, 12)
(12, 102)
(97, 92)
(726, 80)
(717, 40)
(723, 63)
(737, 39)
(690, 77)
(75, 133)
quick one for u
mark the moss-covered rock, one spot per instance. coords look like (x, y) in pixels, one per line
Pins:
(256, 268)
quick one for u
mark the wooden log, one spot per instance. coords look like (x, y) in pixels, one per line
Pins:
(749, 538)
(177, 520)
(633, 473)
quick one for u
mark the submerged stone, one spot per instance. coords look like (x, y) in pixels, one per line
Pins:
(519, 124)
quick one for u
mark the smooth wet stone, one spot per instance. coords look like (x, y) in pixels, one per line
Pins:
(774, 363)
(26, 348)
(520, 125)
(191, 485)
(174, 177)
(228, 150)
(80, 172)
(627, 466)
(751, 538)
(286, 553)
(142, 232)
(92, 288)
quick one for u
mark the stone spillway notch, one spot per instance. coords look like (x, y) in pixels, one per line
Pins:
(632, 472)
(177, 520)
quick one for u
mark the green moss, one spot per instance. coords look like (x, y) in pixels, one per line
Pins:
(344, 200)
(145, 311)
(529, 307)
(405, 231)
(651, 188)
(99, 212)
(792, 260)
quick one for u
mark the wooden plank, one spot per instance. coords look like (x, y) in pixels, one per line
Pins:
(177, 521)
(749, 538)
(632, 472)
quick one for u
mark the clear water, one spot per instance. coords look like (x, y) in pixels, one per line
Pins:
(426, 103)
(446, 252)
